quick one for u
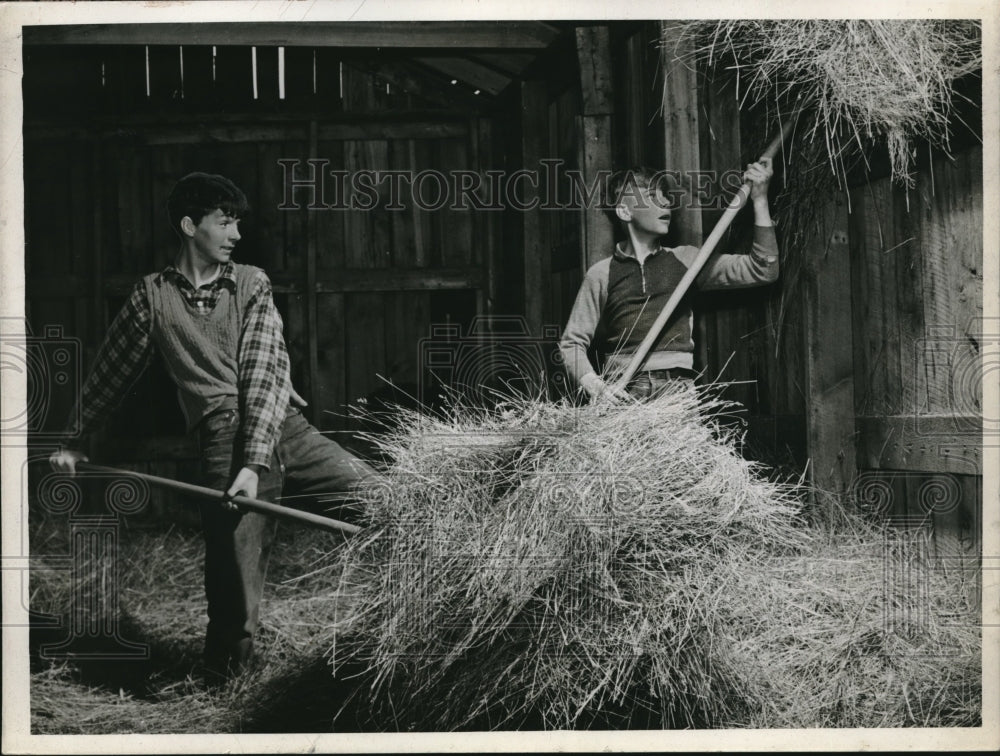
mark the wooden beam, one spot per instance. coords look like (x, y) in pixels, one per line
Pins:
(682, 154)
(921, 443)
(468, 72)
(400, 279)
(490, 224)
(593, 52)
(435, 35)
(829, 367)
(327, 280)
(534, 139)
(593, 48)
(681, 145)
(596, 228)
(513, 64)
(195, 130)
(310, 285)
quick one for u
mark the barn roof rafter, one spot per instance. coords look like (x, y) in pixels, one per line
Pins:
(426, 36)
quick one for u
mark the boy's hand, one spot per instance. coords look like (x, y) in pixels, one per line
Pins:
(244, 483)
(599, 391)
(759, 175)
(297, 400)
(64, 460)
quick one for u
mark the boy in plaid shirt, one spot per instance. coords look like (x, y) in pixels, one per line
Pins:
(215, 324)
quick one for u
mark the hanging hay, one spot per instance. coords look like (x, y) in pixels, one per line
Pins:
(855, 88)
(864, 80)
(554, 566)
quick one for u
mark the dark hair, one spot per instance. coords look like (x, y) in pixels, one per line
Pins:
(640, 177)
(198, 194)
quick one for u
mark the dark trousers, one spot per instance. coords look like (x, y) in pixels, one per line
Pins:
(238, 545)
(649, 384)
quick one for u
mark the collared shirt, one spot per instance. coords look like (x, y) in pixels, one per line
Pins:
(263, 359)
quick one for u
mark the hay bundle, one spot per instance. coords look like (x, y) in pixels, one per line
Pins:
(547, 566)
(557, 562)
(865, 79)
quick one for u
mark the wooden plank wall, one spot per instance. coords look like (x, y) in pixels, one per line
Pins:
(357, 290)
(916, 261)
(542, 262)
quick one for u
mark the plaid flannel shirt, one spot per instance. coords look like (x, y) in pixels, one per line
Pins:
(263, 368)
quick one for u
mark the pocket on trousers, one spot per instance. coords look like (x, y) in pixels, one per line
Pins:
(216, 438)
(219, 422)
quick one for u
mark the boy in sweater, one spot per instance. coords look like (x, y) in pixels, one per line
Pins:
(214, 323)
(624, 293)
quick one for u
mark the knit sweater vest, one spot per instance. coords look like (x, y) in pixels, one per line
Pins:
(636, 295)
(200, 349)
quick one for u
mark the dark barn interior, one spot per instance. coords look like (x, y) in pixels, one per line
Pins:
(858, 371)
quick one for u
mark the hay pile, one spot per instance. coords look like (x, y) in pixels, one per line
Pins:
(865, 80)
(553, 566)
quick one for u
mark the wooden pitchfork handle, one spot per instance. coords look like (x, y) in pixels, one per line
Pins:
(735, 205)
(254, 505)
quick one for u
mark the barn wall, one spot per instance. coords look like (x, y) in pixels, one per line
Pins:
(917, 287)
(101, 158)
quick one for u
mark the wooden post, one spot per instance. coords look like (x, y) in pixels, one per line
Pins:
(682, 153)
(481, 139)
(534, 135)
(593, 49)
(312, 245)
(829, 356)
(680, 125)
